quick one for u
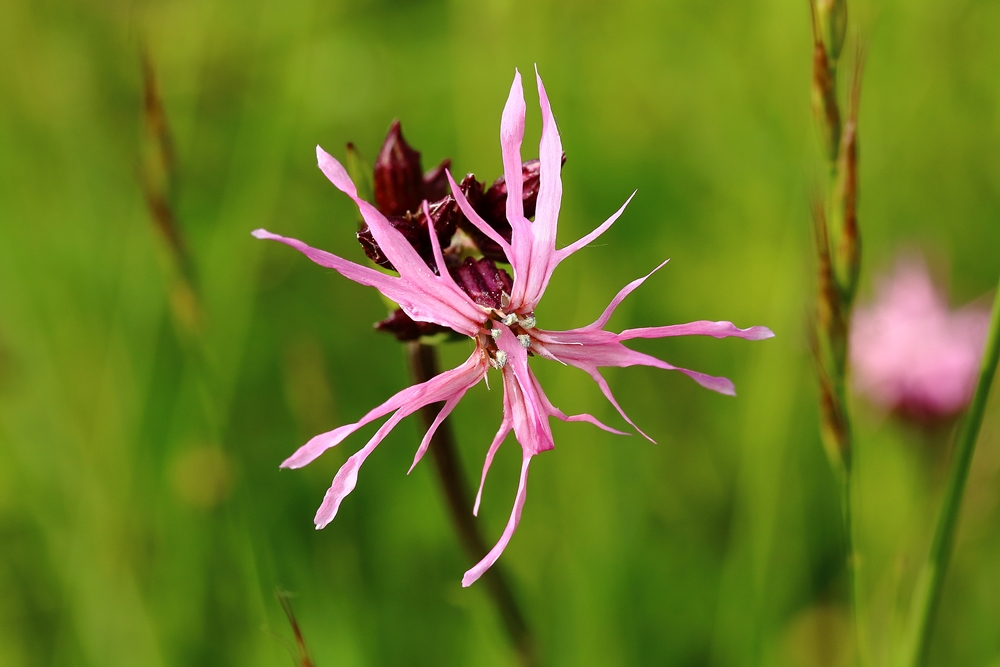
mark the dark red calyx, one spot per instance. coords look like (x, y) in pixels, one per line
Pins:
(399, 179)
(483, 281)
(444, 214)
(436, 182)
(403, 328)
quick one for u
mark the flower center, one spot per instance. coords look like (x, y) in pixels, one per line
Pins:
(520, 325)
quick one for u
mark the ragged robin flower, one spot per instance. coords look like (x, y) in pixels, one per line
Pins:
(912, 354)
(479, 300)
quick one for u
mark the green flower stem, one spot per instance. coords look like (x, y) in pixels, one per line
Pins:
(424, 366)
(859, 607)
(931, 581)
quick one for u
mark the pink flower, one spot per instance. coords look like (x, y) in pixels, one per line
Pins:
(499, 316)
(911, 353)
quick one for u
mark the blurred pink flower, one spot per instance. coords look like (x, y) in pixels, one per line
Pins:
(913, 355)
(499, 316)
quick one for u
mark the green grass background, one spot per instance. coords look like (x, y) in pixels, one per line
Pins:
(143, 518)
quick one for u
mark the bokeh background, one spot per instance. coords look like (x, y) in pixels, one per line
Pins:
(143, 518)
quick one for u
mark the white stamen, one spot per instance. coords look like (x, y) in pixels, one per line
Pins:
(525, 340)
(496, 333)
(509, 320)
(501, 359)
(528, 322)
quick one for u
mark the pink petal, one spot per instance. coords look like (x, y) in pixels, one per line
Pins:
(451, 383)
(589, 238)
(443, 273)
(475, 218)
(534, 259)
(515, 517)
(441, 416)
(553, 411)
(397, 249)
(604, 348)
(522, 394)
(511, 135)
(699, 328)
(505, 426)
(625, 291)
(449, 386)
(606, 390)
(392, 243)
(461, 315)
(359, 274)
(550, 184)
(347, 477)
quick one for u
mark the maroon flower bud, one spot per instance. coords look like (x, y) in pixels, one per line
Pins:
(483, 281)
(403, 328)
(399, 179)
(436, 182)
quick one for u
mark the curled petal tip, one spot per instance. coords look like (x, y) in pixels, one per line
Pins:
(260, 234)
(764, 332)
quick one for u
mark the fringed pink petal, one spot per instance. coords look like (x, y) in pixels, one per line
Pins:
(447, 386)
(443, 387)
(441, 416)
(590, 419)
(606, 390)
(610, 352)
(515, 517)
(534, 255)
(550, 179)
(528, 413)
(505, 426)
(363, 275)
(553, 411)
(589, 238)
(535, 260)
(718, 384)
(511, 135)
(699, 328)
(460, 314)
(443, 273)
(624, 292)
(395, 246)
(347, 477)
(310, 451)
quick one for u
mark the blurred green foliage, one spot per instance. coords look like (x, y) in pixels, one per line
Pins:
(143, 518)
